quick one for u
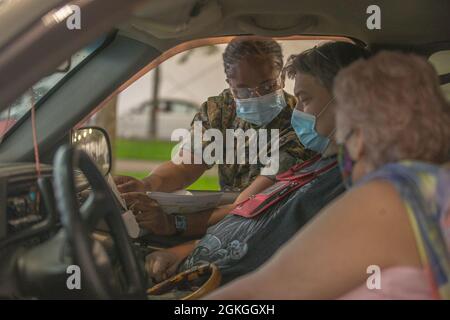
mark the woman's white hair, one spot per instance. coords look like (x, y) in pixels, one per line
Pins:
(396, 101)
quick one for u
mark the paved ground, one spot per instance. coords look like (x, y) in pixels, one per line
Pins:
(146, 166)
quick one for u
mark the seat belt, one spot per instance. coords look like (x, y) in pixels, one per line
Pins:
(287, 182)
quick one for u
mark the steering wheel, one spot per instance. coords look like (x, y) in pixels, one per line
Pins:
(80, 222)
(187, 284)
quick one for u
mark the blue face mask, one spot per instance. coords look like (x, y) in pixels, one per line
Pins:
(261, 110)
(304, 125)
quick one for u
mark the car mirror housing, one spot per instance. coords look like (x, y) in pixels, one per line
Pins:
(95, 142)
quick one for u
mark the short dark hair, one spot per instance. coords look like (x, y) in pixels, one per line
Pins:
(242, 47)
(324, 61)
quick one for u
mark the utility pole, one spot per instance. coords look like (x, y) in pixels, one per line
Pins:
(153, 125)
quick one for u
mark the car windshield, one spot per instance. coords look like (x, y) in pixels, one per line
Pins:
(19, 108)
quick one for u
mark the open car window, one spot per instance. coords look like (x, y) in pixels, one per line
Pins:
(17, 110)
(141, 133)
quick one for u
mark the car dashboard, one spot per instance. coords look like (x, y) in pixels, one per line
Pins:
(25, 215)
(29, 218)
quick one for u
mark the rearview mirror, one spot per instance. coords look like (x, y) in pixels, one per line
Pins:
(95, 142)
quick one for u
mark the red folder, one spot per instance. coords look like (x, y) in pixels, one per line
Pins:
(287, 182)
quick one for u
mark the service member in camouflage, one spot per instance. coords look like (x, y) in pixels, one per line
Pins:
(219, 112)
(254, 100)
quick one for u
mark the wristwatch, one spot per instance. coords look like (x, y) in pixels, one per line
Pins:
(180, 224)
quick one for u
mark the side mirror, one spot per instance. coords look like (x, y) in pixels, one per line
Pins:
(95, 142)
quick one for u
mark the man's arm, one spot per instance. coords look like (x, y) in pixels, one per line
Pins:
(167, 177)
(152, 218)
(163, 264)
(170, 177)
(197, 224)
(258, 185)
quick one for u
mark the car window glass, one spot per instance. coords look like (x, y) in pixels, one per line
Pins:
(19, 108)
(141, 134)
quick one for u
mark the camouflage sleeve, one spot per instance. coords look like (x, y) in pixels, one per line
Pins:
(200, 123)
(286, 161)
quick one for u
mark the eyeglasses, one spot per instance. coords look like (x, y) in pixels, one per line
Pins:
(261, 90)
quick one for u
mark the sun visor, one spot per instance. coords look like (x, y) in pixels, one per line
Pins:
(197, 16)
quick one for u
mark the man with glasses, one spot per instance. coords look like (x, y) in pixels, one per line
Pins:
(255, 100)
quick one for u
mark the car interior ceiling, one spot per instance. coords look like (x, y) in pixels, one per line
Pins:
(142, 39)
(155, 29)
(15, 21)
(402, 25)
(164, 24)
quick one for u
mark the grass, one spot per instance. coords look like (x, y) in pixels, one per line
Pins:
(144, 150)
(156, 151)
(204, 183)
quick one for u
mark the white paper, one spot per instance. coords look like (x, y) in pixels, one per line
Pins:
(128, 217)
(186, 202)
(131, 224)
(116, 192)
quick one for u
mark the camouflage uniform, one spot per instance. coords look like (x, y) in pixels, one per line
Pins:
(219, 112)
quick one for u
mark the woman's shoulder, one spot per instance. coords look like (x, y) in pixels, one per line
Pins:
(404, 168)
(391, 185)
(372, 193)
(408, 176)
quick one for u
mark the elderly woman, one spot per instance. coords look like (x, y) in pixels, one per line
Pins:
(388, 236)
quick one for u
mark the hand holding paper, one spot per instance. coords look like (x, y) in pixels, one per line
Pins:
(185, 202)
(128, 217)
(149, 214)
